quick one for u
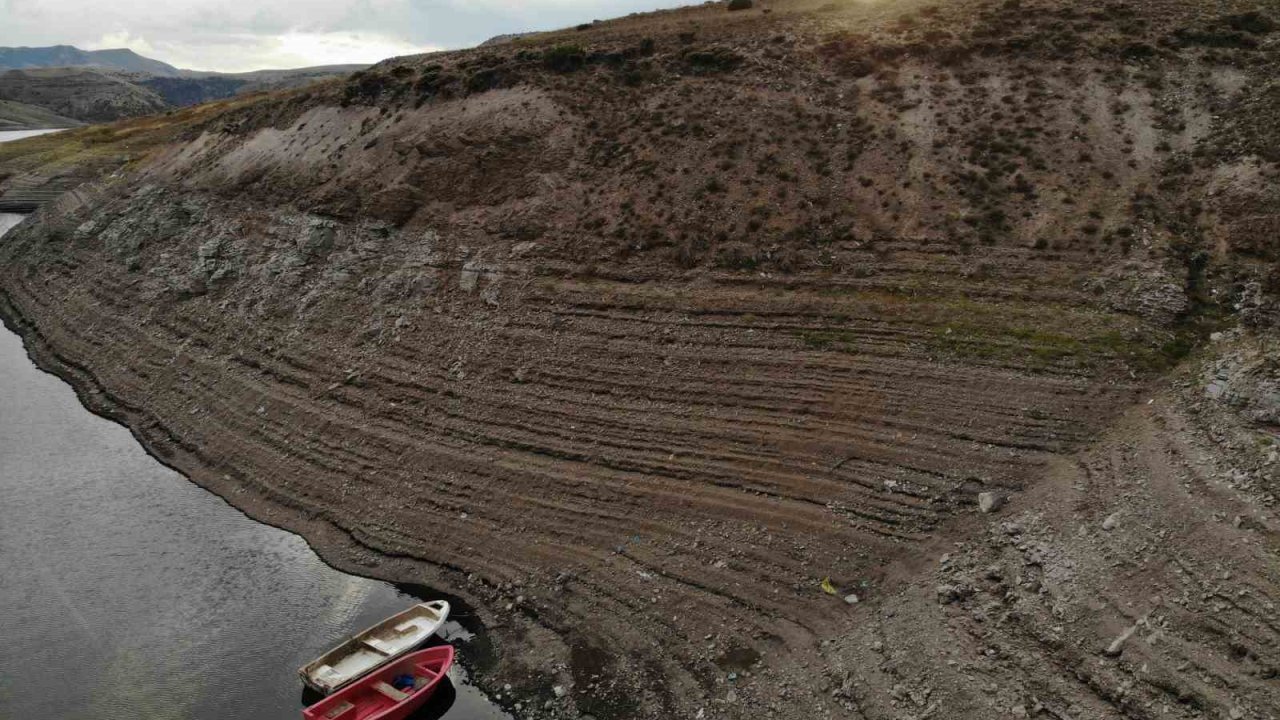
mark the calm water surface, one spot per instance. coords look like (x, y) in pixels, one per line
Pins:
(8, 220)
(7, 135)
(128, 592)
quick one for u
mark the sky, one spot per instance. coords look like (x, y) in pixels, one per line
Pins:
(242, 35)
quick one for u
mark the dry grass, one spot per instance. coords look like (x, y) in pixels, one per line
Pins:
(87, 150)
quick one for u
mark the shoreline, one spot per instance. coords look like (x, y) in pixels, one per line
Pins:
(334, 547)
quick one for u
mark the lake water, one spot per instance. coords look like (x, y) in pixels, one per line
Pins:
(8, 135)
(8, 220)
(128, 592)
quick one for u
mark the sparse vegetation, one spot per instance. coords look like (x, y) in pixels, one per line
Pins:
(564, 58)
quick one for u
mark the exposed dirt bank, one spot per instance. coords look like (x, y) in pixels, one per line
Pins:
(635, 335)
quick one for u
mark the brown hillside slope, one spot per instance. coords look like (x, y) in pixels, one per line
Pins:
(635, 334)
(84, 94)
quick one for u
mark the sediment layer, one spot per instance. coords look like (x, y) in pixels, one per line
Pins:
(636, 336)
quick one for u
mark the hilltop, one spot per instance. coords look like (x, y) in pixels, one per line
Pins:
(66, 56)
(820, 359)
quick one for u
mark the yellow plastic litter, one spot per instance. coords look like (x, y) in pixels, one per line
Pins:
(828, 588)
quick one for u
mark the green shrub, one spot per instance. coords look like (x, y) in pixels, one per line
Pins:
(737, 256)
(564, 58)
(714, 59)
(1251, 22)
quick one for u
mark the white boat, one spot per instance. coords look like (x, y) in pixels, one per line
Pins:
(375, 647)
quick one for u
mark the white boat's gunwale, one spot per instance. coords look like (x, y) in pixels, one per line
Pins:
(439, 607)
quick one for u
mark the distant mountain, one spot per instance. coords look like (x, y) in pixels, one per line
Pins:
(184, 91)
(196, 87)
(105, 85)
(21, 58)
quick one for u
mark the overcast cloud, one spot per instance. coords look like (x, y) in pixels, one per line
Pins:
(240, 35)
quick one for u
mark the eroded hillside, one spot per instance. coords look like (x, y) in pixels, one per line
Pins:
(632, 335)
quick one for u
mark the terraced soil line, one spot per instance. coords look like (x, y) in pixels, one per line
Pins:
(633, 337)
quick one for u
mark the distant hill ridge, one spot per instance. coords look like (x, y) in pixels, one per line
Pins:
(21, 58)
(105, 85)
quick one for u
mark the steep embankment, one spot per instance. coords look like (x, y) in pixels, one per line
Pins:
(636, 334)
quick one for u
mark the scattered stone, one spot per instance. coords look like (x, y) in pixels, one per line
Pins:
(317, 238)
(470, 276)
(1117, 645)
(948, 594)
(521, 249)
(989, 502)
(1111, 522)
(559, 691)
(851, 599)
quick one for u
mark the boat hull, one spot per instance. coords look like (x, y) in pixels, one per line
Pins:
(377, 697)
(374, 647)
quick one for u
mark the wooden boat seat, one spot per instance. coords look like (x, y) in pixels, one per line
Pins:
(338, 711)
(379, 645)
(390, 692)
(405, 627)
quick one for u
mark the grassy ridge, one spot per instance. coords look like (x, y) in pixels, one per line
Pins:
(88, 151)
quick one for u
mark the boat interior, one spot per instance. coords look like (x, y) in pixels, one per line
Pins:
(372, 647)
(371, 699)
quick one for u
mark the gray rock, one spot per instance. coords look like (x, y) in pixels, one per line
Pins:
(317, 238)
(521, 249)
(989, 502)
(1111, 522)
(948, 594)
(470, 276)
(1117, 645)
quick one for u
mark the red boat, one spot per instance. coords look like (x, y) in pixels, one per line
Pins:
(394, 692)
